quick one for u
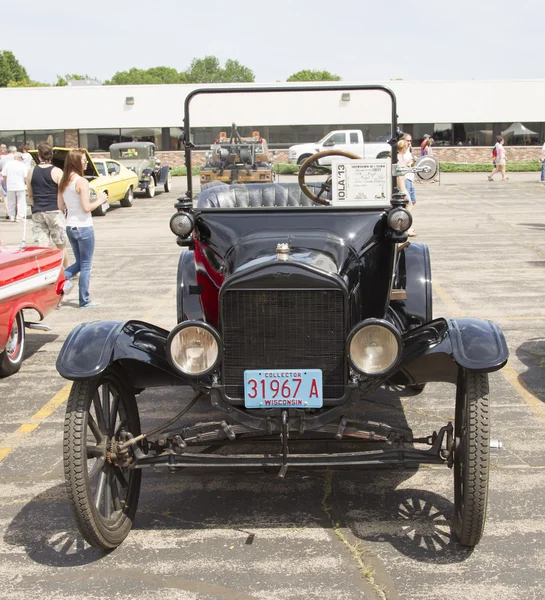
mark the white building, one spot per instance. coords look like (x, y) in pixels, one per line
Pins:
(455, 113)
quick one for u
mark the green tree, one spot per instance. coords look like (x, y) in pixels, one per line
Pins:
(155, 75)
(209, 70)
(27, 83)
(309, 75)
(11, 69)
(63, 80)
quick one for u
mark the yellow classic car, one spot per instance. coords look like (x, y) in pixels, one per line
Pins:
(104, 175)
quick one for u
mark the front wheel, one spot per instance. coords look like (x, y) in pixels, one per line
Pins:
(150, 190)
(12, 356)
(103, 491)
(168, 182)
(471, 456)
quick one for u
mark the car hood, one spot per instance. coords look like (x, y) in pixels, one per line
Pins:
(309, 147)
(59, 154)
(320, 250)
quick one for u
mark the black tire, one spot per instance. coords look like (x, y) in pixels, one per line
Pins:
(168, 182)
(11, 357)
(104, 497)
(128, 200)
(384, 155)
(310, 170)
(150, 190)
(417, 388)
(99, 211)
(471, 456)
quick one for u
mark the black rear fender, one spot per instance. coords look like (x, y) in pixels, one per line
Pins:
(435, 351)
(136, 347)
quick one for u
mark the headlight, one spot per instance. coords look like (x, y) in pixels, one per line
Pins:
(182, 224)
(193, 348)
(399, 219)
(374, 347)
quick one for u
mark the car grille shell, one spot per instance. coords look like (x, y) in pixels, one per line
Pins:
(283, 329)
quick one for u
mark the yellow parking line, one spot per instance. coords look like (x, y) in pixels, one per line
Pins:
(508, 372)
(25, 429)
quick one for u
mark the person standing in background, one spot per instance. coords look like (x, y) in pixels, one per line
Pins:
(423, 144)
(74, 198)
(4, 156)
(48, 223)
(408, 160)
(542, 158)
(500, 160)
(27, 157)
(14, 175)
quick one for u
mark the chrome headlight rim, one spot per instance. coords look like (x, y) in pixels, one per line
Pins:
(189, 216)
(391, 215)
(386, 325)
(202, 325)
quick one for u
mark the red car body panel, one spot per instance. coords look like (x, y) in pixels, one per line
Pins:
(29, 278)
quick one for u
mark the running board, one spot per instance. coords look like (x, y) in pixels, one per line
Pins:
(39, 326)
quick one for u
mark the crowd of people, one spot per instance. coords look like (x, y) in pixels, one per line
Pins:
(60, 206)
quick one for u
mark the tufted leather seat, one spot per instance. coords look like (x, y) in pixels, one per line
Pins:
(253, 195)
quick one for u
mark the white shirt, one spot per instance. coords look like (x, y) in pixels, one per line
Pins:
(408, 160)
(27, 159)
(77, 217)
(16, 172)
(4, 160)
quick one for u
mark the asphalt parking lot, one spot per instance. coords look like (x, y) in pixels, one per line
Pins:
(342, 535)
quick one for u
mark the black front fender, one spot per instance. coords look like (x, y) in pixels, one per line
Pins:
(435, 351)
(137, 347)
(162, 174)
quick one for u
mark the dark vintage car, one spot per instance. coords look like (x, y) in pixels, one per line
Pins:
(291, 311)
(140, 157)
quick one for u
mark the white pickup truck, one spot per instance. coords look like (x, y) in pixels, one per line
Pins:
(350, 140)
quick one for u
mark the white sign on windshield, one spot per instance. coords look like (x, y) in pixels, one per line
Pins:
(364, 182)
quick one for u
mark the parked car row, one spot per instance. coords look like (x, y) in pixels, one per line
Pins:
(132, 167)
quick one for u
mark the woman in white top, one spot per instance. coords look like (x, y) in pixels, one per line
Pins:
(74, 198)
(500, 160)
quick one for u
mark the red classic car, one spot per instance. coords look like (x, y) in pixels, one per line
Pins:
(30, 278)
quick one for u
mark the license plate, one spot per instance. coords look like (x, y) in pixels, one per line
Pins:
(277, 388)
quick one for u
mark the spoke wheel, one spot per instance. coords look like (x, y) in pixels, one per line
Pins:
(12, 355)
(104, 496)
(471, 456)
(150, 190)
(168, 182)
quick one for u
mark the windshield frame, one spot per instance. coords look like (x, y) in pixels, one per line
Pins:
(288, 89)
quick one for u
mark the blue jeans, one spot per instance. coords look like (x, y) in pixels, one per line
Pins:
(543, 171)
(410, 189)
(82, 240)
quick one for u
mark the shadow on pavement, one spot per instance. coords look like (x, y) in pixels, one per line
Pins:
(415, 522)
(532, 354)
(35, 341)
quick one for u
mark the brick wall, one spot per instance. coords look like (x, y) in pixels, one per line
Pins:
(71, 139)
(459, 154)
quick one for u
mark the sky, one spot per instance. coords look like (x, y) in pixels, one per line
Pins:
(359, 40)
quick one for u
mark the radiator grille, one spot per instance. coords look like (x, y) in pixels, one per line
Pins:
(283, 329)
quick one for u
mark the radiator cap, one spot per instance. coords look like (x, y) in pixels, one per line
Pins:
(282, 251)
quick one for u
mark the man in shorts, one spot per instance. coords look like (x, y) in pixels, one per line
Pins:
(48, 223)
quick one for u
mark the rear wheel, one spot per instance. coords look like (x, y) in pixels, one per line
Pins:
(168, 182)
(103, 492)
(471, 456)
(128, 200)
(12, 356)
(100, 211)
(150, 190)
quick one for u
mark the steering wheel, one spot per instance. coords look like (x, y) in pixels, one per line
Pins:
(326, 185)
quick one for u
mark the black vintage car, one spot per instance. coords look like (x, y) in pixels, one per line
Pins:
(290, 309)
(140, 157)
